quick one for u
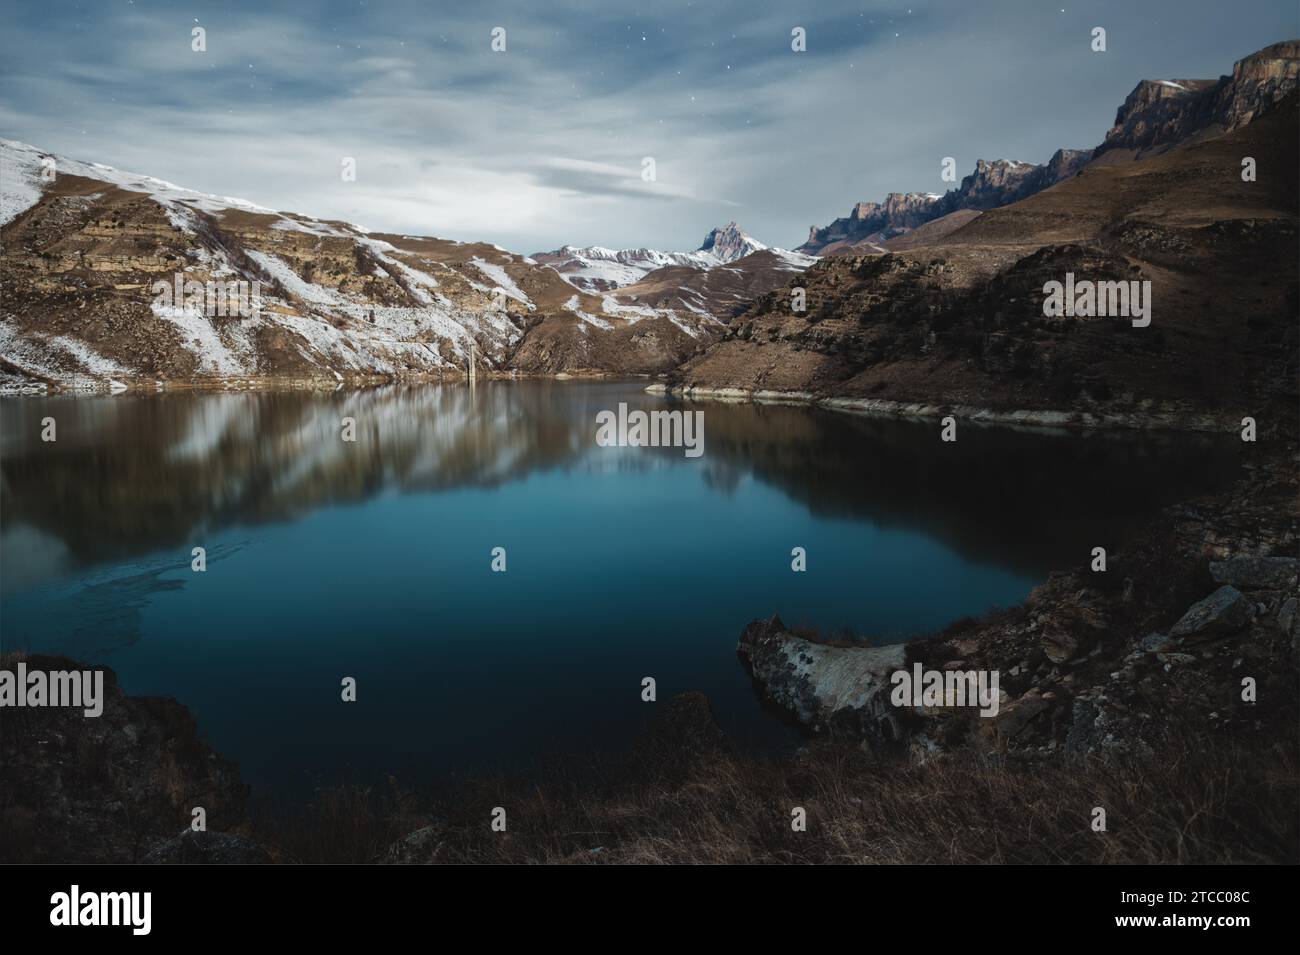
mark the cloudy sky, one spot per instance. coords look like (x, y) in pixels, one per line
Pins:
(543, 144)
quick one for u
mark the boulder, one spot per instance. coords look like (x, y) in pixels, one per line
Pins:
(1059, 645)
(825, 687)
(1156, 643)
(1225, 610)
(1014, 719)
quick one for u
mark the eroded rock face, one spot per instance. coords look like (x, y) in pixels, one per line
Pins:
(825, 687)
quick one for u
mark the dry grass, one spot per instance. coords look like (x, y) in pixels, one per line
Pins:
(1191, 802)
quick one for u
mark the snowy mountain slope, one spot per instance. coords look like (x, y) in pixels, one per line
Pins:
(82, 246)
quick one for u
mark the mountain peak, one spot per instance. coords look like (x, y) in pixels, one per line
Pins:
(729, 243)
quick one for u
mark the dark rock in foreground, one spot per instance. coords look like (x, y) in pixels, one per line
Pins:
(1224, 611)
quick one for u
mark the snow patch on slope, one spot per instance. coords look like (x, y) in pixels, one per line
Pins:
(202, 340)
(48, 356)
(20, 178)
(497, 274)
(294, 283)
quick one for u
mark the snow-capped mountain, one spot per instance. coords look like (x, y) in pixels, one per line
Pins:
(598, 269)
(729, 243)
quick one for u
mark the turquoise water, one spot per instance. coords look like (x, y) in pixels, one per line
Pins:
(371, 559)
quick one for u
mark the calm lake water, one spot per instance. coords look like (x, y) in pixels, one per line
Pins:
(372, 559)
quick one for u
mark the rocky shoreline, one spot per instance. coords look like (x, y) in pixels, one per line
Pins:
(97, 386)
(109, 788)
(1140, 420)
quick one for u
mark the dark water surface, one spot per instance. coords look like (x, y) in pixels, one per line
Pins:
(371, 559)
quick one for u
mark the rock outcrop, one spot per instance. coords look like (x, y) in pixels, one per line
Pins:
(1160, 114)
(826, 688)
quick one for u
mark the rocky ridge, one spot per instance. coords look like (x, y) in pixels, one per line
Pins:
(871, 226)
(1156, 117)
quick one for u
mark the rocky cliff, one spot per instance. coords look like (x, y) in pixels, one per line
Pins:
(1160, 114)
(871, 225)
